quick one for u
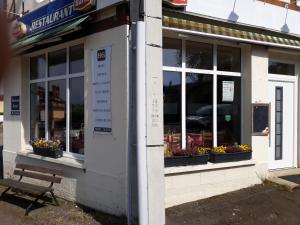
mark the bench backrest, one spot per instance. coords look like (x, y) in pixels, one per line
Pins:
(39, 173)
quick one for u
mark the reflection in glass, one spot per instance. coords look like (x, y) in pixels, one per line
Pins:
(57, 63)
(172, 52)
(37, 67)
(229, 59)
(172, 109)
(76, 59)
(57, 110)
(199, 55)
(281, 68)
(199, 111)
(37, 110)
(229, 110)
(77, 115)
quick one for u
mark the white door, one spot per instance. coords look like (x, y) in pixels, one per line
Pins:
(281, 152)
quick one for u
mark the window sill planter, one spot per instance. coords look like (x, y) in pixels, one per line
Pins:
(186, 160)
(230, 157)
(48, 152)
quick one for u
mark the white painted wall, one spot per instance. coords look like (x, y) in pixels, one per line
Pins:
(103, 184)
(251, 12)
(194, 184)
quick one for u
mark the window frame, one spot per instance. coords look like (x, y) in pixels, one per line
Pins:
(65, 77)
(214, 72)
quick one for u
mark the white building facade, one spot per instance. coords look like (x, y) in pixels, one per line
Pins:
(215, 75)
(209, 45)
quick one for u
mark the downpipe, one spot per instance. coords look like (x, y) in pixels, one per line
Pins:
(142, 171)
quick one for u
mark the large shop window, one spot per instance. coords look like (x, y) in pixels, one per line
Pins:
(57, 97)
(202, 94)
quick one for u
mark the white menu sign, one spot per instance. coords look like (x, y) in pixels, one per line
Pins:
(228, 91)
(101, 72)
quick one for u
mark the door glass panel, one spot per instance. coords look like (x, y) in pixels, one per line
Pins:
(278, 122)
(229, 110)
(57, 111)
(172, 109)
(37, 110)
(199, 111)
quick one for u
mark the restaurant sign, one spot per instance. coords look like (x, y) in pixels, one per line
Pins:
(176, 3)
(52, 14)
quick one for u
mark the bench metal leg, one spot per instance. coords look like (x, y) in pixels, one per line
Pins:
(53, 196)
(28, 208)
(6, 190)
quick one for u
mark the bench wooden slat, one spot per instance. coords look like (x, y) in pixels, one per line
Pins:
(38, 176)
(40, 169)
(25, 188)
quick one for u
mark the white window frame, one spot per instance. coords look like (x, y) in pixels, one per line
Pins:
(214, 72)
(46, 80)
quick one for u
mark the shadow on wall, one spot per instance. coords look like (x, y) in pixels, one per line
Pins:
(233, 16)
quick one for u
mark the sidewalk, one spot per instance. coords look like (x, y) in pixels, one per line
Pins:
(68, 213)
(259, 205)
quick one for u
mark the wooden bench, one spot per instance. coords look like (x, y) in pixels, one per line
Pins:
(34, 172)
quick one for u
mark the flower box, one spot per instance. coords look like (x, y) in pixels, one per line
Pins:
(48, 152)
(186, 160)
(229, 157)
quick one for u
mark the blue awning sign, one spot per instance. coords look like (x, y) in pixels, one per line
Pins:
(54, 13)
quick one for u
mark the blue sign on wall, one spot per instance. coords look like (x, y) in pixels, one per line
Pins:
(55, 12)
(15, 105)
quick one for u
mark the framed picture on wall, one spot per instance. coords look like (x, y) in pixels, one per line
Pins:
(260, 119)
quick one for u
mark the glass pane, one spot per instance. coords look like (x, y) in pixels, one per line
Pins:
(281, 68)
(278, 122)
(57, 111)
(37, 67)
(229, 110)
(199, 111)
(172, 52)
(199, 55)
(229, 59)
(57, 63)
(77, 115)
(77, 59)
(172, 110)
(37, 110)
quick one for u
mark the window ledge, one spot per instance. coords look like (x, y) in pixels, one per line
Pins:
(76, 163)
(206, 167)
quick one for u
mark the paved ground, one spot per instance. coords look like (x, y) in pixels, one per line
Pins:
(259, 205)
(12, 213)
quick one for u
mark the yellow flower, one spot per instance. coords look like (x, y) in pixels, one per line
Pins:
(220, 149)
(245, 148)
